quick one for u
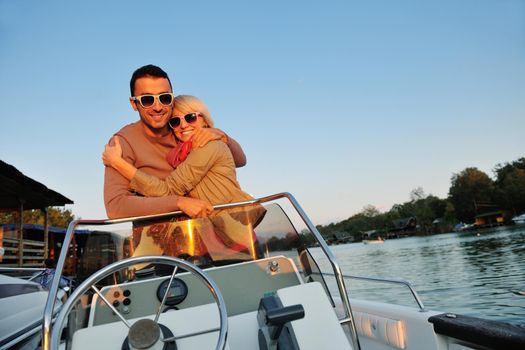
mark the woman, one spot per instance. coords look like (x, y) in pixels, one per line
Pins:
(206, 173)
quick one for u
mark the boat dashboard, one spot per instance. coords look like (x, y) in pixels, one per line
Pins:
(242, 286)
(266, 300)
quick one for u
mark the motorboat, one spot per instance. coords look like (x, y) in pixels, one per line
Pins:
(519, 220)
(245, 278)
(378, 240)
(21, 309)
(461, 227)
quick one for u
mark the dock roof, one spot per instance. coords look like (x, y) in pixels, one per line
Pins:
(17, 188)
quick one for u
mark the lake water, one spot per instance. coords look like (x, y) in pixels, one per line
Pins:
(466, 273)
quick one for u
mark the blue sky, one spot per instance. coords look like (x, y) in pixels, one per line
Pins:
(341, 103)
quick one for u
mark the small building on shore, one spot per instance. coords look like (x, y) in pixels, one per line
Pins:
(493, 218)
(340, 238)
(370, 234)
(402, 227)
(18, 192)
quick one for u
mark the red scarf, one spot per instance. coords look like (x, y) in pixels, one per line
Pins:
(179, 153)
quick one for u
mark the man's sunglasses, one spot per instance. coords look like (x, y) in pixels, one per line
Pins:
(147, 101)
(190, 118)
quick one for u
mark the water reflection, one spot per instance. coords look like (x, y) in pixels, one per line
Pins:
(464, 273)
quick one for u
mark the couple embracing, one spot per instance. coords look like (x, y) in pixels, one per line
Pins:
(172, 158)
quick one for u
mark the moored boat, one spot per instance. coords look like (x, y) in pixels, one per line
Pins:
(22, 304)
(374, 241)
(519, 220)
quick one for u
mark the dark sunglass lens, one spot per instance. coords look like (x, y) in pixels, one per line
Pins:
(191, 117)
(165, 99)
(147, 100)
(174, 122)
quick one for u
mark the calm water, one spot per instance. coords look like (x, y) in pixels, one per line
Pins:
(468, 273)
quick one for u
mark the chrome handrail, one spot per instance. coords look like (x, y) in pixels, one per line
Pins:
(384, 280)
(50, 304)
(335, 266)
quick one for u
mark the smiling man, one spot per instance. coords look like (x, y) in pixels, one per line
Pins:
(145, 144)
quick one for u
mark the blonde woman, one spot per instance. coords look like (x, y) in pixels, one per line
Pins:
(206, 173)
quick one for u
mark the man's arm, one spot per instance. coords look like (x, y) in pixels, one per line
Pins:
(238, 154)
(205, 135)
(120, 202)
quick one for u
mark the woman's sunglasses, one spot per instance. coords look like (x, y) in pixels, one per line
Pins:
(190, 118)
(147, 101)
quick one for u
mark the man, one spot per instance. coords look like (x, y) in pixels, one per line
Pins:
(146, 143)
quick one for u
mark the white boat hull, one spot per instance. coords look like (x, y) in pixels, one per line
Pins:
(373, 241)
(519, 220)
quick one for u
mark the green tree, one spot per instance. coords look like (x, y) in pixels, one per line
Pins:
(425, 208)
(58, 217)
(438, 206)
(370, 211)
(470, 189)
(416, 194)
(510, 185)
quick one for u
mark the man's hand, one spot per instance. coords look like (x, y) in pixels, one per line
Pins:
(205, 135)
(193, 207)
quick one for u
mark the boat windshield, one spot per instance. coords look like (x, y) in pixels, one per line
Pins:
(266, 242)
(232, 235)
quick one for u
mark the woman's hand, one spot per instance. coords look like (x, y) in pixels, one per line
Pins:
(112, 153)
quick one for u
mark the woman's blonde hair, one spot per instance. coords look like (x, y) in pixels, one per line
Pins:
(189, 104)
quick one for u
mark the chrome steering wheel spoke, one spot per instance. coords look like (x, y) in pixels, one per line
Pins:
(161, 306)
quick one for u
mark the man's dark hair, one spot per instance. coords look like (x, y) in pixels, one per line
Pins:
(146, 71)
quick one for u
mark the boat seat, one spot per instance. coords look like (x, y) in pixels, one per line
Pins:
(320, 325)
(20, 315)
(382, 329)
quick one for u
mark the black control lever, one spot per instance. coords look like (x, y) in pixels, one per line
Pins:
(277, 318)
(273, 318)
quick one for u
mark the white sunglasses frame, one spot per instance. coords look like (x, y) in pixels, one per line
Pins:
(197, 114)
(155, 97)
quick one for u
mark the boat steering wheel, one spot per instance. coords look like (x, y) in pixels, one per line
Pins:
(90, 282)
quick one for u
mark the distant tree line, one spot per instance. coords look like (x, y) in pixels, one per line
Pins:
(472, 192)
(57, 217)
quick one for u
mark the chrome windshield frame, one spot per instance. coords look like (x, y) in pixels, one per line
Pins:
(50, 304)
